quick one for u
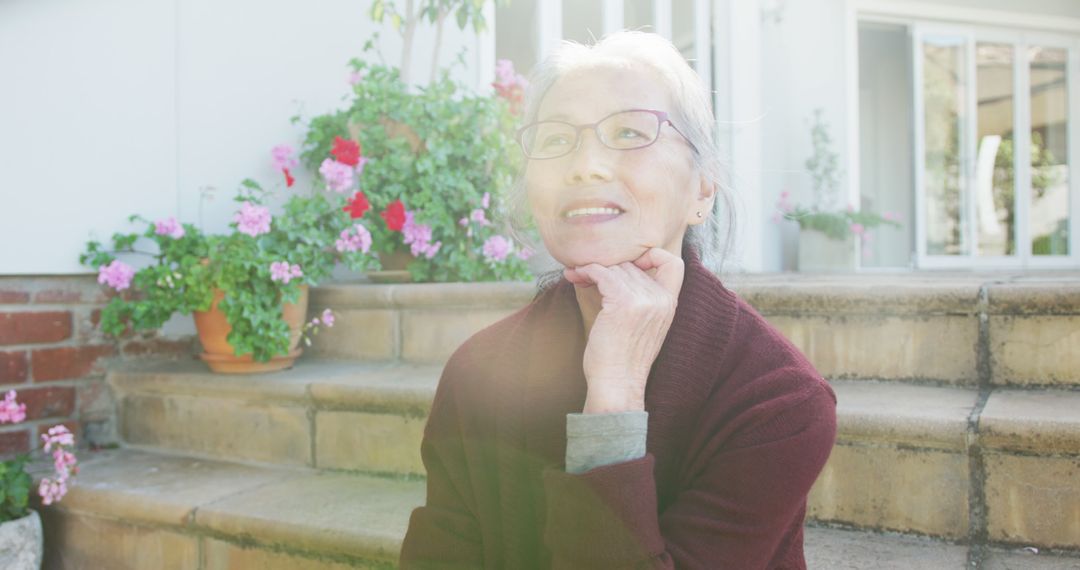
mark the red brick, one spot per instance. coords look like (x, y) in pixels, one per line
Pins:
(69, 361)
(13, 367)
(12, 297)
(158, 347)
(48, 402)
(57, 296)
(16, 441)
(34, 327)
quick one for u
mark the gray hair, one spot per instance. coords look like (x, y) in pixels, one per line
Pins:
(692, 113)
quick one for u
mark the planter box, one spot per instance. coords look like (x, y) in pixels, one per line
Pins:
(820, 253)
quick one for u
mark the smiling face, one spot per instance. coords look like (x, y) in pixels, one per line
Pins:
(621, 202)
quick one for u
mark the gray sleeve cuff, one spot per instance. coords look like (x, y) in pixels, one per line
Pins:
(594, 440)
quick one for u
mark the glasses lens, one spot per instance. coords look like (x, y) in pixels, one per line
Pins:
(548, 139)
(630, 129)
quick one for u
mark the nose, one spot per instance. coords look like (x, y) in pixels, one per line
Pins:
(590, 161)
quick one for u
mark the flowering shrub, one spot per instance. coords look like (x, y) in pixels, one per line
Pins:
(15, 480)
(259, 265)
(433, 163)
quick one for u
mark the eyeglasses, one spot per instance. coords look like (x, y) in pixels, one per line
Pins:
(624, 130)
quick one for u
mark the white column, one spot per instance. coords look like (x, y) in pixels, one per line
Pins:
(737, 65)
(485, 50)
(612, 11)
(662, 17)
(549, 26)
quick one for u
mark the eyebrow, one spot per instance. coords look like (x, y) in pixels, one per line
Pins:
(556, 117)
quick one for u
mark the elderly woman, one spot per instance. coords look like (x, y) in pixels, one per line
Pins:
(636, 414)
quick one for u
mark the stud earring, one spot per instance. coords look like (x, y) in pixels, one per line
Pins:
(699, 214)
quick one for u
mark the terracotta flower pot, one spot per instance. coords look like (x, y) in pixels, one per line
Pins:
(393, 267)
(214, 328)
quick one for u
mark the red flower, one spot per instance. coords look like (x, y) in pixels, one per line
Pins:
(358, 206)
(346, 151)
(394, 215)
(288, 178)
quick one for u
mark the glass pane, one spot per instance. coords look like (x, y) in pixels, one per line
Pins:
(638, 13)
(582, 22)
(944, 85)
(886, 141)
(994, 165)
(1049, 152)
(515, 33)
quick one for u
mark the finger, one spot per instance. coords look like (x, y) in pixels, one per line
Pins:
(669, 268)
(605, 278)
(576, 278)
(638, 277)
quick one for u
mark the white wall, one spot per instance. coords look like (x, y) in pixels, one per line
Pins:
(126, 106)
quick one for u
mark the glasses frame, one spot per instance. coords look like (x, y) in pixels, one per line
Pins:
(662, 117)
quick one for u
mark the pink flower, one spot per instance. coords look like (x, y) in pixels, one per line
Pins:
(496, 248)
(857, 228)
(348, 241)
(478, 216)
(253, 220)
(282, 271)
(283, 158)
(486, 200)
(328, 317)
(891, 216)
(57, 435)
(355, 77)
(63, 461)
(11, 411)
(850, 208)
(338, 176)
(169, 227)
(360, 162)
(463, 222)
(418, 237)
(117, 274)
(524, 254)
(51, 491)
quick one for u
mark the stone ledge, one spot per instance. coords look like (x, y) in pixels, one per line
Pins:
(423, 295)
(1042, 422)
(408, 388)
(1055, 297)
(916, 416)
(298, 510)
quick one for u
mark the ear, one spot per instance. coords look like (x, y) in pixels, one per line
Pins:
(703, 202)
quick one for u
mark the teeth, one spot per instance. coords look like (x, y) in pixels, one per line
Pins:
(592, 212)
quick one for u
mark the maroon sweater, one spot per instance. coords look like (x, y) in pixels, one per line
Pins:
(740, 425)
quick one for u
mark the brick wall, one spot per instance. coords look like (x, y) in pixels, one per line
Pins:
(55, 357)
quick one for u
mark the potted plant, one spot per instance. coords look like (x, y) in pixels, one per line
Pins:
(247, 288)
(21, 538)
(434, 161)
(827, 233)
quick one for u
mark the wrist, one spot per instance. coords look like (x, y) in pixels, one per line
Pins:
(596, 403)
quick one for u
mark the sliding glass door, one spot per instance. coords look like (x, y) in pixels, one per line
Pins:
(993, 136)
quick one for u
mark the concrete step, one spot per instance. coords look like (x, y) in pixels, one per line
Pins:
(918, 459)
(959, 329)
(135, 509)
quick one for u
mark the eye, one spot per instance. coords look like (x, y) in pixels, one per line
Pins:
(554, 141)
(628, 133)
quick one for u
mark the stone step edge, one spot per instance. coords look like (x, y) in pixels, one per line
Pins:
(935, 417)
(232, 502)
(1051, 294)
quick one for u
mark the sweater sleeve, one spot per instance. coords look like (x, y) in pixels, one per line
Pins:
(444, 533)
(732, 514)
(593, 440)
